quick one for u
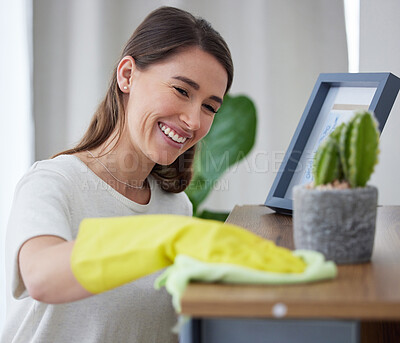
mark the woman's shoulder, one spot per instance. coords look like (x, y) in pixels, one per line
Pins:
(52, 178)
(62, 167)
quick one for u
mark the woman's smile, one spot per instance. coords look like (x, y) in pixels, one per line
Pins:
(172, 134)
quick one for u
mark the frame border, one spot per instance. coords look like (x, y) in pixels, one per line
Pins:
(387, 85)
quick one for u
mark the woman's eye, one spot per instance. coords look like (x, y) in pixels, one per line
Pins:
(210, 108)
(182, 91)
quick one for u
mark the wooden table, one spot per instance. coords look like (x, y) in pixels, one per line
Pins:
(361, 304)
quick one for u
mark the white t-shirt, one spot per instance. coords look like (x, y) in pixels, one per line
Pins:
(52, 199)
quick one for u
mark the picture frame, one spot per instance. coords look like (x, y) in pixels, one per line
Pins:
(334, 99)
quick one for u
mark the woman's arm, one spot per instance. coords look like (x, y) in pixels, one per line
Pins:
(45, 266)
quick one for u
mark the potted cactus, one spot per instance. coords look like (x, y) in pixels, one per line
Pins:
(336, 214)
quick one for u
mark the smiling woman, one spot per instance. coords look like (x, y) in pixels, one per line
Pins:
(135, 158)
(159, 40)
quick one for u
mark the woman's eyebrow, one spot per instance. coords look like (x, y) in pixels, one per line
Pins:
(190, 82)
(196, 86)
(216, 98)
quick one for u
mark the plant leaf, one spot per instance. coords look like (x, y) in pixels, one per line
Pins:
(364, 149)
(229, 140)
(326, 162)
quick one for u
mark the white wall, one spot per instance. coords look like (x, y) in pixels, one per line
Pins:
(380, 52)
(279, 49)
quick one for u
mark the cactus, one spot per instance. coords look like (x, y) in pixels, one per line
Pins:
(326, 162)
(350, 153)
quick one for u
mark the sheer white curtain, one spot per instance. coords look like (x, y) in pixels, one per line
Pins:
(279, 48)
(380, 52)
(16, 138)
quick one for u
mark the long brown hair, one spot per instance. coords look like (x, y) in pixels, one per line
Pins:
(162, 34)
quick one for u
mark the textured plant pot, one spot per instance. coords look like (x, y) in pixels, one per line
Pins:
(338, 223)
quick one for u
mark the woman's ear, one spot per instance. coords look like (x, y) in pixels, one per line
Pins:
(124, 73)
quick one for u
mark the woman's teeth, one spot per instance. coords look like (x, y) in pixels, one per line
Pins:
(172, 134)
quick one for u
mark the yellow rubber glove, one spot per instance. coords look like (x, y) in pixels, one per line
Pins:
(110, 252)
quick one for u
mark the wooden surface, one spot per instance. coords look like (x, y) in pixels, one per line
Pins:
(369, 291)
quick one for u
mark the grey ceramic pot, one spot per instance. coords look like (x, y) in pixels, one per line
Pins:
(338, 223)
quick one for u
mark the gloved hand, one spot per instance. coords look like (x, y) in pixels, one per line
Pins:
(110, 252)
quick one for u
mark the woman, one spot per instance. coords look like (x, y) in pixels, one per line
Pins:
(135, 158)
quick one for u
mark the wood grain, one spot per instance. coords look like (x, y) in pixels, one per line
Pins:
(369, 291)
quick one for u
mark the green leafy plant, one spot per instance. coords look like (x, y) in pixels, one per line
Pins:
(229, 140)
(350, 152)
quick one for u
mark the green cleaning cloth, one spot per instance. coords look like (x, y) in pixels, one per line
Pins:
(185, 269)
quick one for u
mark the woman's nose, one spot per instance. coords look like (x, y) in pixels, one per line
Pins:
(191, 118)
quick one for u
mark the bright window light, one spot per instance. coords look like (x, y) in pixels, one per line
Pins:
(352, 19)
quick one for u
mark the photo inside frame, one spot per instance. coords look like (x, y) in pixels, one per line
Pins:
(340, 105)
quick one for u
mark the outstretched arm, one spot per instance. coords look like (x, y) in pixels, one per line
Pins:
(45, 266)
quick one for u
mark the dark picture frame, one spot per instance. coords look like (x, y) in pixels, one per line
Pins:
(335, 97)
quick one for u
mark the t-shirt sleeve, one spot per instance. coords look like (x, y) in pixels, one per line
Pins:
(40, 207)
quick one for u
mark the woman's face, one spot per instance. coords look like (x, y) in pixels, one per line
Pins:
(172, 104)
